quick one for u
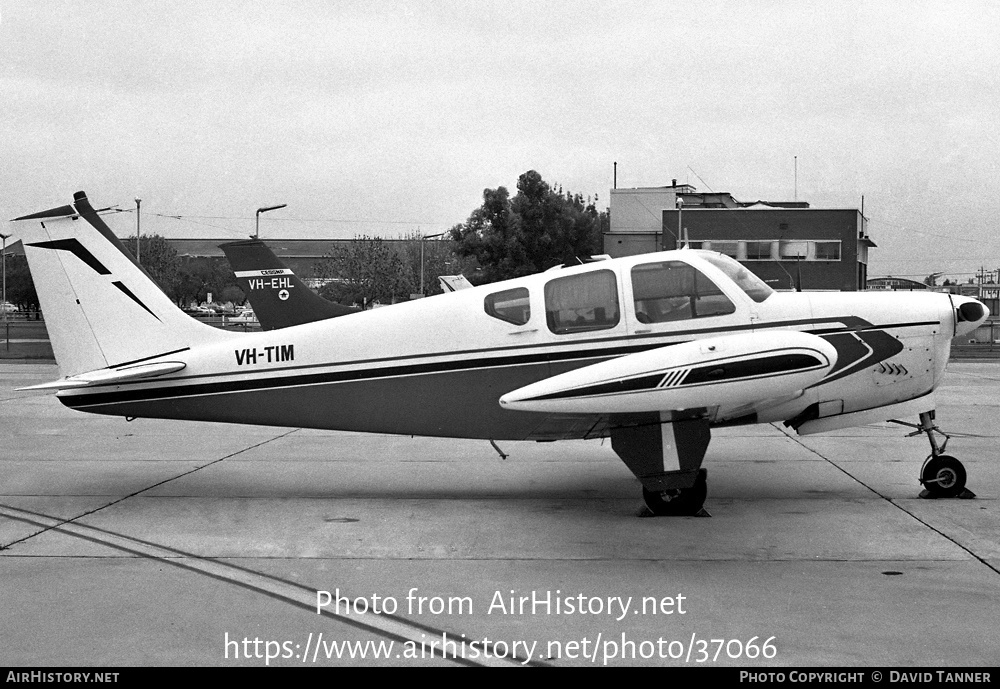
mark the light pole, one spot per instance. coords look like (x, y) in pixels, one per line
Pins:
(138, 234)
(680, 238)
(422, 238)
(256, 233)
(4, 254)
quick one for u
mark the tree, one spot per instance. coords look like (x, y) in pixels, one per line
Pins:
(20, 286)
(538, 228)
(199, 277)
(362, 272)
(435, 255)
(158, 258)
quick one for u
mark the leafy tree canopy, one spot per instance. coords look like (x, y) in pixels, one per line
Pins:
(158, 258)
(537, 229)
(20, 286)
(362, 272)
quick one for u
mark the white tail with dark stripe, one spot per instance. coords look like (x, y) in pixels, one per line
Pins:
(102, 310)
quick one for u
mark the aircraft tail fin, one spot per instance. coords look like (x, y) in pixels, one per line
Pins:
(453, 283)
(101, 307)
(279, 298)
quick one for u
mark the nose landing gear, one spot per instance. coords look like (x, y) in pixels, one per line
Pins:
(942, 475)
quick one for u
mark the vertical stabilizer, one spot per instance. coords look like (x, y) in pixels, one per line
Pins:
(279, 298)
(101, 308)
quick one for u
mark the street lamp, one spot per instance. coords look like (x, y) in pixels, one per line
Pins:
(5, 238)
(256, 233)
(138, 235)
(680, 207)
(422, 238)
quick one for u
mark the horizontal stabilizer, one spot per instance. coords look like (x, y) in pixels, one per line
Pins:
(111, 375)
(730, 370)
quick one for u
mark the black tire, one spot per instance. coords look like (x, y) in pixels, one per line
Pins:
(943, 476)
(678, 502)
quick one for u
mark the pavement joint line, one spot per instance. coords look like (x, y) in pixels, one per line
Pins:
(972, 375)
(393, 627)
(895, 504)
(564, 560)
(147, 488)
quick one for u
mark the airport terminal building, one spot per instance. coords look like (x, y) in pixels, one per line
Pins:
(785, 243)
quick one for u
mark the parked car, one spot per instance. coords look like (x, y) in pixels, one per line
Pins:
(7, 307)
(246, 317)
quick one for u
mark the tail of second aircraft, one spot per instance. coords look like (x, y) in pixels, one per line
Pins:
(101, 308)
(279, 298)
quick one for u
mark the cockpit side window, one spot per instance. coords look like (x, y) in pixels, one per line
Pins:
(511, 305)
(674, 291)
(754, 287)
(577, 303)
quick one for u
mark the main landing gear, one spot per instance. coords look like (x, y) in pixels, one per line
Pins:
(942, 475)
(665, 452)
(679, 502)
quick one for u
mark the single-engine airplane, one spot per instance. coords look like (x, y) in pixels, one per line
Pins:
(652, 351)
(278, 297)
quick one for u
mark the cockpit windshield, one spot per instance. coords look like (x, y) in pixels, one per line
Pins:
(754, 287)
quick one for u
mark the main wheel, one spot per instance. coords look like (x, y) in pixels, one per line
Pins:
(678, 502)
(943, 476)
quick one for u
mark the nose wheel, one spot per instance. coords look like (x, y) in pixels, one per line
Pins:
(942, 476)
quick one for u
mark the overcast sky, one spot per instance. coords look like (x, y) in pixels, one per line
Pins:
(392, 117)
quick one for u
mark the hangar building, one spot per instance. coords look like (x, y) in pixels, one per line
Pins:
(785, 243)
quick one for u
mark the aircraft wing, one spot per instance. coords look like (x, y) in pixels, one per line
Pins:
(278, 297)
(731, 370)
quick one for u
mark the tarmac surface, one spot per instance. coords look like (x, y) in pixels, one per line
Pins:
(179, 543)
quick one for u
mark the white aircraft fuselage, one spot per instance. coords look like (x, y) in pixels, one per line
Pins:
(651, 351)
(438, 366)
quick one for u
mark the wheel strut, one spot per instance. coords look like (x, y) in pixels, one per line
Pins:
(942, 475)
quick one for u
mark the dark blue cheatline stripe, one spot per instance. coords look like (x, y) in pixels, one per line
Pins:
(650, 382)
(77, 249)
(147, 358)
(399, 370)
(88, 213)
(868, 348)
(642, 343)
(81, 399)
(128, 293)
(264, 383)
(673, 378)
(713, 373)
(752, 368)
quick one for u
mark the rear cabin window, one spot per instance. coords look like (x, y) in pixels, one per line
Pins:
(675, 291)
(578, 303)
(511, 305)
